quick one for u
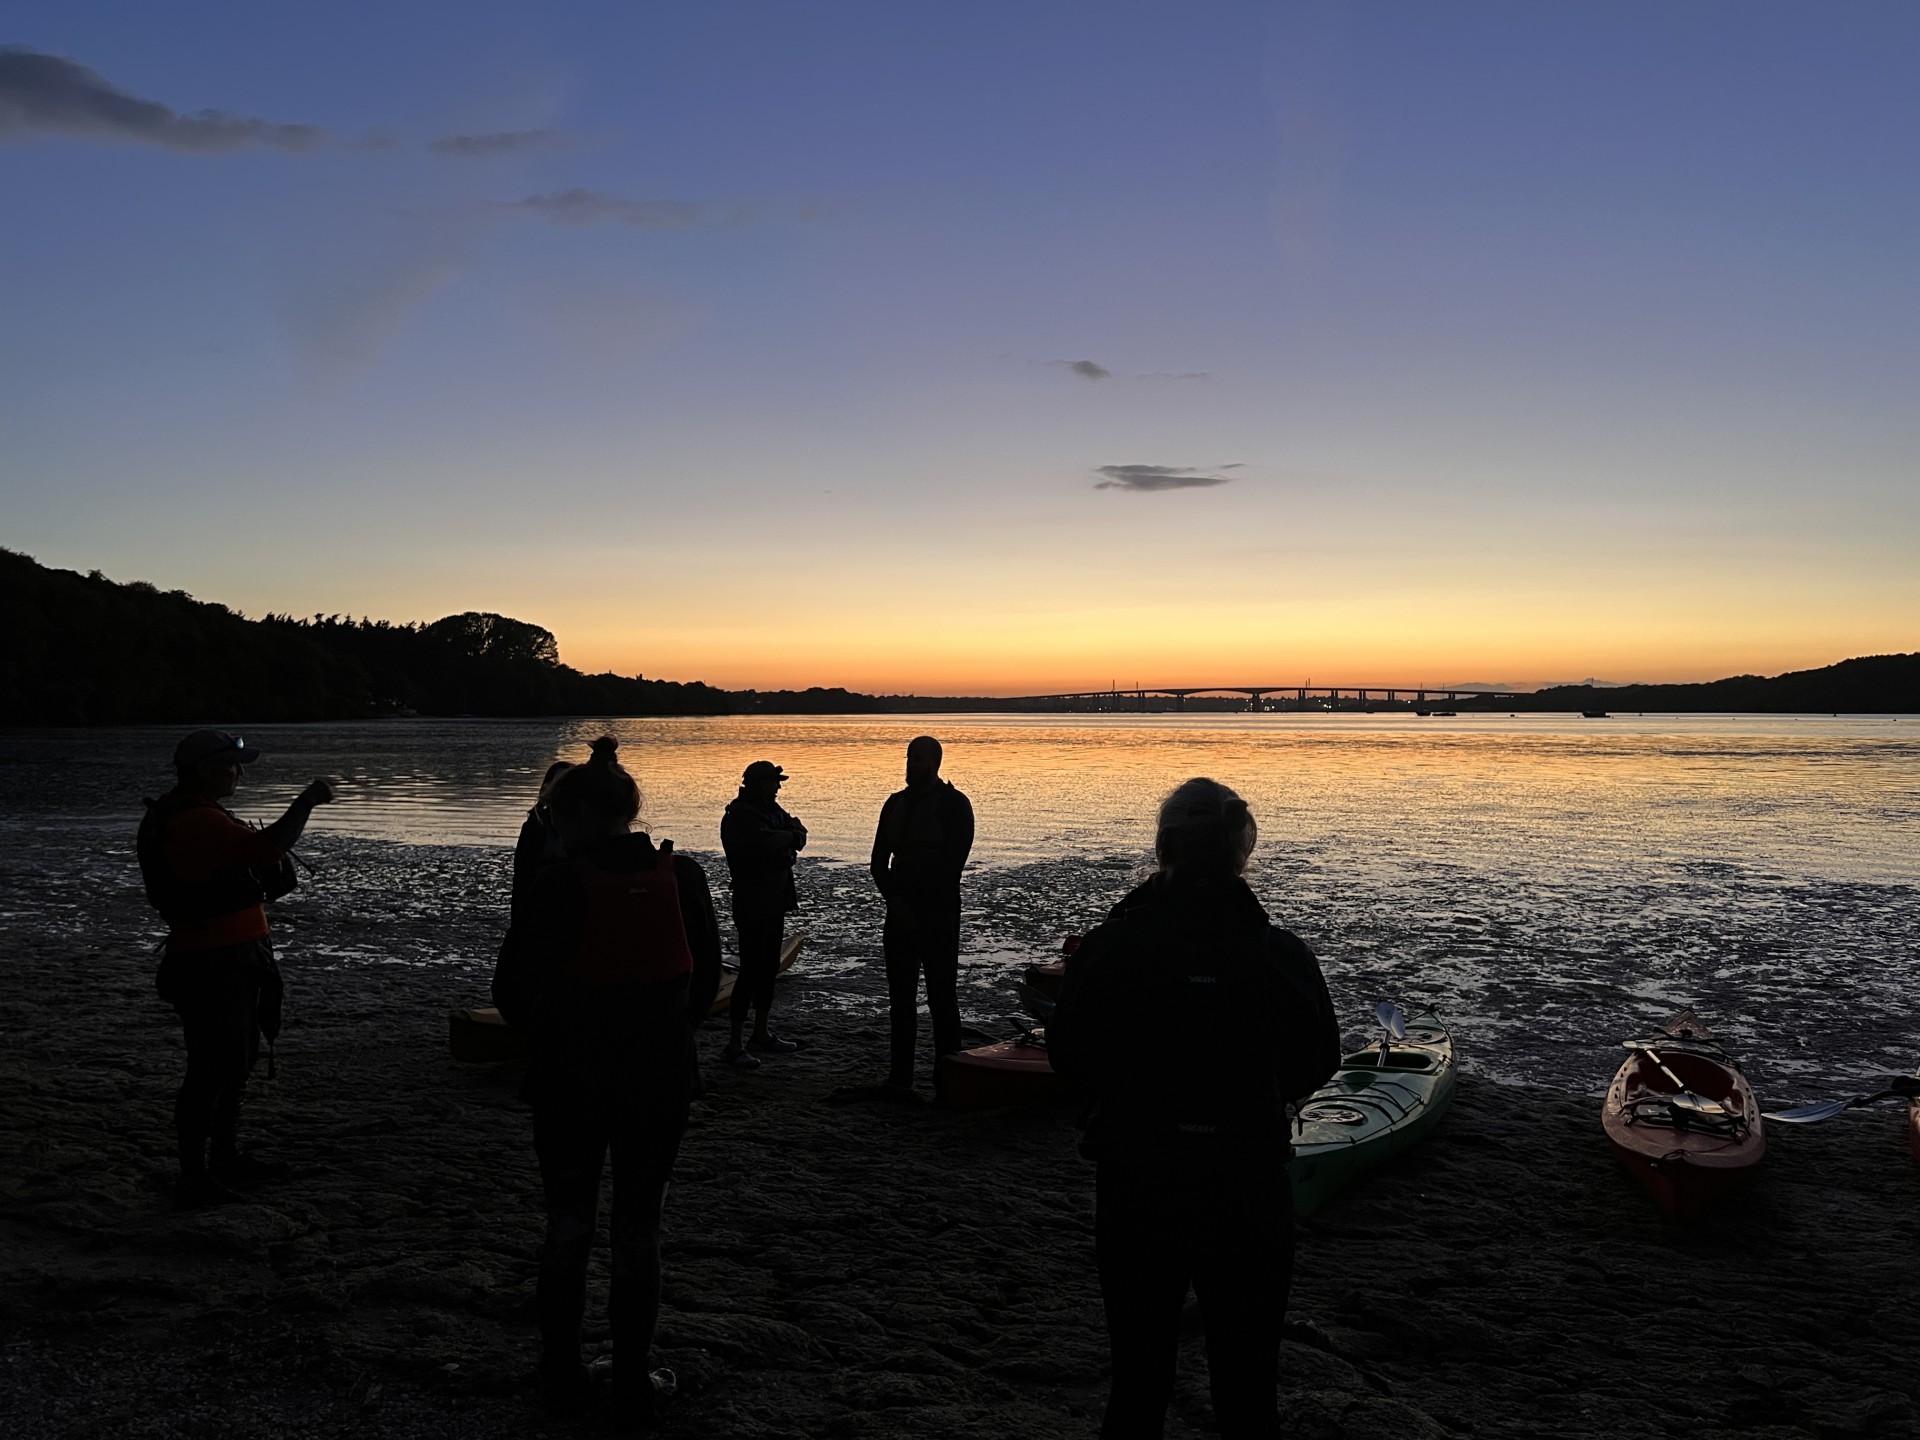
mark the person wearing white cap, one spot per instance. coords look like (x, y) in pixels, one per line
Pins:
(209, 875)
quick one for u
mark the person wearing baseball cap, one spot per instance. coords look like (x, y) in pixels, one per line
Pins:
(761, 841)
(210, 875)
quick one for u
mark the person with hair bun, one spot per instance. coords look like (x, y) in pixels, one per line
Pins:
(611, 961)
(1195, 1022)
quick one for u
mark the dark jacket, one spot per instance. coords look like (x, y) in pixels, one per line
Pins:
(761, 842)
(537, 847)
(1194, 1021)
(630, 1042)
(922, 842)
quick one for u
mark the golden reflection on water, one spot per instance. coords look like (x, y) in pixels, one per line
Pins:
(1805, 796)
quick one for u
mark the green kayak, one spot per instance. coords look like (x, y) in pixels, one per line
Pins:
(1380, 1101)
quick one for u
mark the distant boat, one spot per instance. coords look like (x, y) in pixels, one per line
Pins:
(1595, 715)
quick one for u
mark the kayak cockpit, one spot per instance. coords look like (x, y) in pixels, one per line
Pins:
(1402, 1061)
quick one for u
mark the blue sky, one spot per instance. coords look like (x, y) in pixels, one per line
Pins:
(734, 341)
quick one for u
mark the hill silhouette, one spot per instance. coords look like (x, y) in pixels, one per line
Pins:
(85, 650)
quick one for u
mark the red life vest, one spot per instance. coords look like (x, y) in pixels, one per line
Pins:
(634, 930)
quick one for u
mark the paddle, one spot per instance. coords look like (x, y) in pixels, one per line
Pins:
(1027, 1035)
(1901, 1086)
(1683, 1097)
(1393, 1022)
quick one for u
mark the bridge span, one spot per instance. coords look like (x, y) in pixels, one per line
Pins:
(1293, 696)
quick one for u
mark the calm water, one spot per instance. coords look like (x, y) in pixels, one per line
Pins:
(1552, 883)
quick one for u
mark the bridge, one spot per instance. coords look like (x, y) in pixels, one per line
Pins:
(1295, 696)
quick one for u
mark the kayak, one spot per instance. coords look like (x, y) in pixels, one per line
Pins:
(1379, 1102)
(723, 997)
(1682, 1118)
(480, 1035)
(1046, 980)
(1913, 1124)
(1012, 1072)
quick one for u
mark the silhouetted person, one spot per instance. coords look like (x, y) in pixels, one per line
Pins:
(613, 961)
(209, 875)
(538, 845)
(1195, 1022)
(761, 841)
(919, 851)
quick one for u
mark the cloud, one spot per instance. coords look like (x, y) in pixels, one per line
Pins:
(1147, 478)
(342, 316)
(591, 207)
(51, 95)
(1087, 369)
(499, 142)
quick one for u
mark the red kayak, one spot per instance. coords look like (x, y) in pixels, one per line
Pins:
(1013, 1072)
(1913, 1125)
(1047, 979)
(1682, 1118)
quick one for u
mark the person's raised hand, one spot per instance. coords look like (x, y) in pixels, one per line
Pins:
(320, 792)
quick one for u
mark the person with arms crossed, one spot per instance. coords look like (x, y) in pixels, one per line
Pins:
(761, 841)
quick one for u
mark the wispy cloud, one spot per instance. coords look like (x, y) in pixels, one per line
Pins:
(499, 142)
(1087, 369)
(52, 95)
(343, 317)
(1147, 478)
(592, 207)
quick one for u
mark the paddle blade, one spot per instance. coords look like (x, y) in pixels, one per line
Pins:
(1392, 1019)
(1807, 1114)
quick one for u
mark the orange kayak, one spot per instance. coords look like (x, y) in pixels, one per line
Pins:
(1048, 978)
(1013, 1072)
(1913, 1124)
(1682, 1118)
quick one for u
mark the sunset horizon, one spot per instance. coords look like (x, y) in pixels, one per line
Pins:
(903, 352)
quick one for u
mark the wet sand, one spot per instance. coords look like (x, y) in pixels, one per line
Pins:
(843, 1270)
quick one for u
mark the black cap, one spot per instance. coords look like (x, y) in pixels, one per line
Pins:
(763, 770)
(210, 745)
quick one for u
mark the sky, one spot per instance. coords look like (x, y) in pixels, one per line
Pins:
(985, 348)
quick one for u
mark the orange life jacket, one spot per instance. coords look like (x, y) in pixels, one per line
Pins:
(634, 930)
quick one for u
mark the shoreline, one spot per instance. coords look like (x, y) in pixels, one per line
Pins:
(863, 1270)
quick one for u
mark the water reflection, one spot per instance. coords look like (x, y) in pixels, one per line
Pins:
(1552, 883)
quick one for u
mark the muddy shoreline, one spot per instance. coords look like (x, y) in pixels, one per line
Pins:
(851, 1270)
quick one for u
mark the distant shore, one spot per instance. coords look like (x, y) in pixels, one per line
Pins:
(86, 650)
(852, 1270)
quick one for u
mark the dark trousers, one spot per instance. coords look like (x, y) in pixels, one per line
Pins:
(1231, 1240)
(759, 929)
(922, 937)
(573, 1134)
(217, 994)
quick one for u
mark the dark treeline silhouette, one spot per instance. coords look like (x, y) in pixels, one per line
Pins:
(85, 650)
(1870, 685)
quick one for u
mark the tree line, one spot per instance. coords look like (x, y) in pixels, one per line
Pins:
(85, 650)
